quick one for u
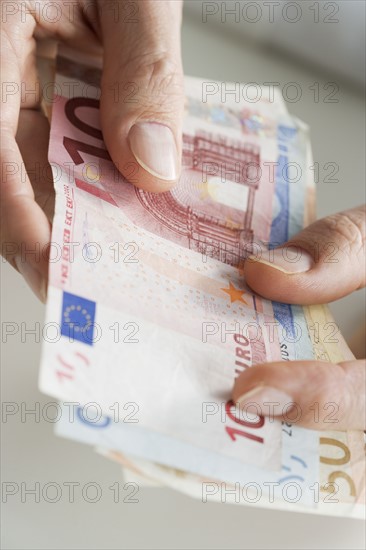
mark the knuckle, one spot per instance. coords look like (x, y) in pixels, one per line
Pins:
(340, 236)
(349, 230)
(157, 75)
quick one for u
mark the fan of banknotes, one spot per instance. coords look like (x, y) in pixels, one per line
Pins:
(155, 319)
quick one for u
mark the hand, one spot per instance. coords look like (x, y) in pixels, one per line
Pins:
(330, 264)
(140, 42)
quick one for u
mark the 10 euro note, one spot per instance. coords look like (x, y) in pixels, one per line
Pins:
(328, 478)
(155, 318)
(143, 278)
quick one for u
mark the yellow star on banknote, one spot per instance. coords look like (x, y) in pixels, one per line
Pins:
(208, 191)
(205, 193)
(236, 295)
(91, 174)
(241, 268)
(230, 223)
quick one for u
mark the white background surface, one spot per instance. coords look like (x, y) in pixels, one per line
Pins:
(162, 518)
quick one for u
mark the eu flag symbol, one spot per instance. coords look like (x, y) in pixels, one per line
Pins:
(77, 321)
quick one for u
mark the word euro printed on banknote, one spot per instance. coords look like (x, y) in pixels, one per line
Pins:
(152, 305)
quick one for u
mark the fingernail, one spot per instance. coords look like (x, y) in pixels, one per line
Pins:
(154, 148)
(265, 394)
(33, 278)
(289, 259)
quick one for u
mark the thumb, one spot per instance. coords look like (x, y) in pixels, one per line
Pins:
(322, 263)
(312, 394)
(142, 97)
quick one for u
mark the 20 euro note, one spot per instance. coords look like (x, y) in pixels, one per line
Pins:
(141, 276)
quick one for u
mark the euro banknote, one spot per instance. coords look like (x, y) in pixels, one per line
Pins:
(155, 318)
(338, 491)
